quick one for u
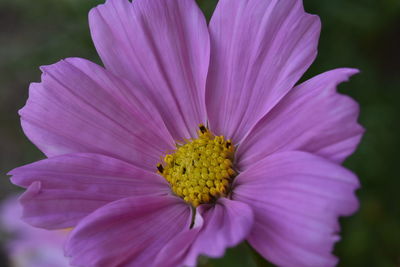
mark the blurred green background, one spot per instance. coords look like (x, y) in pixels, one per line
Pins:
(356, 33)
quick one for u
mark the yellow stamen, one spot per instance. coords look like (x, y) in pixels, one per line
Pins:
(200, 170)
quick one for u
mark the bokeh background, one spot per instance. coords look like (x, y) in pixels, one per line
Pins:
(356, 33)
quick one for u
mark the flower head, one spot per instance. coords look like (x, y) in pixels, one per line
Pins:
(193, 138)
(201, 170)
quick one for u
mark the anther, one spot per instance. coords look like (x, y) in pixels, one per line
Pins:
(203, 129)
(160, 168)
(228, 143)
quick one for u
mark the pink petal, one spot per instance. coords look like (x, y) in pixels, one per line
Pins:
(163, 47)
(128, 232)
(296, 198)
(259, 50)
(80, 107)
(312, 117)
(64, 189)
(175, 252)
(223, 225)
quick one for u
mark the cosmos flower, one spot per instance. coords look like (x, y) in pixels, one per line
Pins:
(192, 138)
(28, 246)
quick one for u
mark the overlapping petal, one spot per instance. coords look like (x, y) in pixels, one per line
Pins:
(163, 47)
(129, 232)
(259, 50)
(80, 107)
(64, 189)
(296, 198)
(220, 226)
(312, 117)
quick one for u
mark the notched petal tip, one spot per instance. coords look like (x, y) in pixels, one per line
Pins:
(347, 73)
(17, 177)
(32, 191)
(13, 172)
(45, 68)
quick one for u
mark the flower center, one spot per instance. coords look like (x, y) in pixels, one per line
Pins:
(200, 170)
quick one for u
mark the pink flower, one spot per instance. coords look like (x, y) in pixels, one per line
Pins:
(129, 169)
(28, 246)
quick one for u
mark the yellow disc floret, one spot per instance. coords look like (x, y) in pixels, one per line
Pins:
(200, 170)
